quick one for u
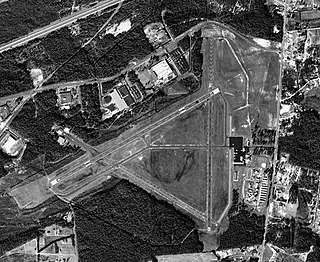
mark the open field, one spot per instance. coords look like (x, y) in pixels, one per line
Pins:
(228, 74)
(187, 129)
(32, 194)
(240, 123)
(218, 121)
(219, 181)
(263, 71)
(181, 172)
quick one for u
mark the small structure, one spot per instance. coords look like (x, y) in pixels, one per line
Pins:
(179, 61)
(146, 78)
(156, 34)
(313, 37)
(4, 112)
(136, 93)
(124, 93)
(62, 141)
(11, 143)
(67, 97)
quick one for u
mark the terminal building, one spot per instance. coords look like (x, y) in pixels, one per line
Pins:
(239, 150)
(157, 75)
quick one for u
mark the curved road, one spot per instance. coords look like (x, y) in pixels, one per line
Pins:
(59, 24)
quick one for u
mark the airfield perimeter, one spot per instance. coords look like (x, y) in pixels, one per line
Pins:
(182, 154)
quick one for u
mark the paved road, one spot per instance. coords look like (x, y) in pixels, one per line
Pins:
(59, 24)
(275, 159)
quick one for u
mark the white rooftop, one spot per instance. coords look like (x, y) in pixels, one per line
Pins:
(285, 109)
(10, 146)
(163, 71)
(119, 102)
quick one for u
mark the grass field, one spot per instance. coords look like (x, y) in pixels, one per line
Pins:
(217, 128)
(189, 128)
(32, 194)
(181, 172)
(228, 74)
(240, 123)
(263, 69)
(220, 181)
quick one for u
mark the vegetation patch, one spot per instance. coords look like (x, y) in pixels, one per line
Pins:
(155, 227)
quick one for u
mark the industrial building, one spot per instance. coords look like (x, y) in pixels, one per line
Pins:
(117, 100)
(163, 72)
(11, 144)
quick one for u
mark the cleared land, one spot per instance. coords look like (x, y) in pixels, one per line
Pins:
(263, 69)
(228, 73)
(32, 194)
(217, 121)
(219, 181)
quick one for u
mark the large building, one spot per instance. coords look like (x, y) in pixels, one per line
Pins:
(11, 144)
(119, 99)
(163, 72)
(238, 149)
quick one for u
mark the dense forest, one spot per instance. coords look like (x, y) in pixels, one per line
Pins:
(107, 55)
(34, 123)
(292, 233)
(245, 227)
(14, 78)
(126, 223)
(18, 18)
(303, 146)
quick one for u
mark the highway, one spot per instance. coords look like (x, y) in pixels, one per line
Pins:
(59, 24)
